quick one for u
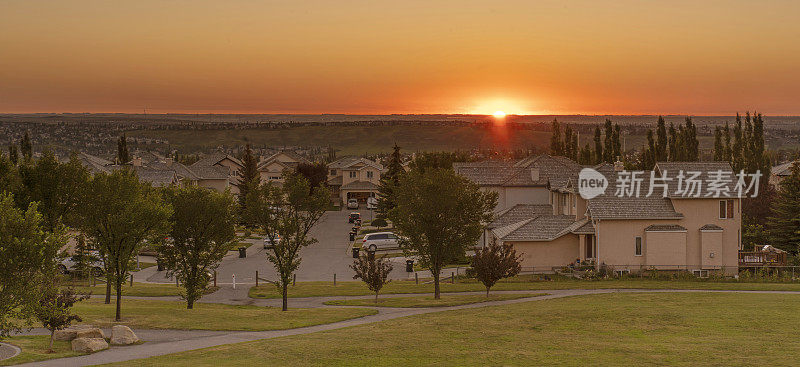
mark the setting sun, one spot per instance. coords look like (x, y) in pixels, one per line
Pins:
(499, 114)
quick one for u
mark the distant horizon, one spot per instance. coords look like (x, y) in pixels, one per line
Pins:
(742, 113)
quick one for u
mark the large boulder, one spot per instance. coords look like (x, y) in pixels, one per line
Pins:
(90, 333)
(88, 345)
(123, 335)
(70, 333)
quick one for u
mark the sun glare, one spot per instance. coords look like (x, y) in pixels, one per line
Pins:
(499, 114)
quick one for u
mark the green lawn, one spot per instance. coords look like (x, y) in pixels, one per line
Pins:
(152, 314)
(34, 348)
(138, 289)
(429, 301)
(357, 288)
(679, 329)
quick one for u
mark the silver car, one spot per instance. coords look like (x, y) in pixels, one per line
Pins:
(380, 241)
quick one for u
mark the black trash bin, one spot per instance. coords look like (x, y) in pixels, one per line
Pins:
(159, 264)
(409, 266)
(355, 252)
(242, 252)
(352, 236)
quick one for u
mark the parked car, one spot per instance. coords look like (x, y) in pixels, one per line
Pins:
(352, 204)
(354, 216)
(69, 265)
(372, 203)
(380, 241)
(269, 244)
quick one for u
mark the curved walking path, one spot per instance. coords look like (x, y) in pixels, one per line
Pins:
(162, 342)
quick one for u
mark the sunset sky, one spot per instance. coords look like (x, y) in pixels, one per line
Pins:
(375, 57)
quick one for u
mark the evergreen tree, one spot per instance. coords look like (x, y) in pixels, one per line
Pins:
(250, 176)
(574, 146)
(727, 136)
(617, 143)
(718, 148)
(13, 154)
(389, 181)
(585, 157)
(122, 150)
(661, 140)
(737, 154)
(673, 143)
(608, 149)
(598, 146)
(25, 146)
(784, 224)
(556, 145)
(649, 153)
(690, 144)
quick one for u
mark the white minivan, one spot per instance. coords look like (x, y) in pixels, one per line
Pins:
(380, 241)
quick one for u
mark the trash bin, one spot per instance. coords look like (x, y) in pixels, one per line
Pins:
(352, 236)
(409, 266)
(159, 264)
(355, 252)
(242, 252)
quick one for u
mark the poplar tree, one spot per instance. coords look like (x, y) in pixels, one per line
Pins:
(718, 147)
(250, 176)
(389, 180)
(608, 150)
(556, 145)
(598, 146)
(673, 143)
(25, 146)
(122, 150)
(661, 140)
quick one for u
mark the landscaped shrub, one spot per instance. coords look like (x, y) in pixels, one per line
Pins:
(379, 222)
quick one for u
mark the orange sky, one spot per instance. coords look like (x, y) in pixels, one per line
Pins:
(554, 57)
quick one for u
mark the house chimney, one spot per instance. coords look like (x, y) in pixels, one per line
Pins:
(618, 165)
(136, 161)
(535, 174)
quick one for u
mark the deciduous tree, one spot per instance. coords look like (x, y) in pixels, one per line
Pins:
(119, 214)
(494, 262)
(373, 271)
(202, 231)
(439, 215)
(54, 310)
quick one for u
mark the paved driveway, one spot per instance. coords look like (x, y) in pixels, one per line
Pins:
(331, 255)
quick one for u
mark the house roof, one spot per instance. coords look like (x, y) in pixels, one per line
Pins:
(95, 164)
(286, 163)
(784, 169)
(539, 170)
(665, 228)
(157, 177)
(209, 172)
(214, 158)
(611, 206)
(582, 227)
(360, 185)
(707, 171)
(540, 228)
(711, 227)
(335, 181)
(348, 162)
(520, 212)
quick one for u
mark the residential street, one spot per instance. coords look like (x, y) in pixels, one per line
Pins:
(331, 255)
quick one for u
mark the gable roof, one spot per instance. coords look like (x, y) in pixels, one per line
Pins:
(707, 171)
(214, 158)
(540, 228)
(348, 162)
(784, 169)
(518, 213)
(611, 206)
(95, 164)
(276, 158)
(538, 170)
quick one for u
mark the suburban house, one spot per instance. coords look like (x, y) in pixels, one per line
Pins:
(353, 178)
(781, 171)
(665, 231)
(216, 164)
(271, 169)
(161, 171)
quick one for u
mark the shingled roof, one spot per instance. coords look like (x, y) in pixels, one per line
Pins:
(611, 206)
(708, 171)
(665, 228)
(540, 228)
(539, 170)
(520, 212)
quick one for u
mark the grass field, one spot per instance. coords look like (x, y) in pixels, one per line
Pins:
(356, 288)
(153, 314)
(138, 289)
(34, 348)
(429, 301)
(599, 330)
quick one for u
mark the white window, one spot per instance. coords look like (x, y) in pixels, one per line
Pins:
(726, 209)
(638, 246)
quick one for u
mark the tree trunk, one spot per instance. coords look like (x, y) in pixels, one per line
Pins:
(376, 298)
(108, 288)
(285, 293)
(189, 303)
(487, 292)
(118, 284)
(436, 285)
(52, 333)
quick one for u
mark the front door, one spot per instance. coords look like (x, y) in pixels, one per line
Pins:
(589, 238)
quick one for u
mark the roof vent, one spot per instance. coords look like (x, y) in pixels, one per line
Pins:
(535, 174)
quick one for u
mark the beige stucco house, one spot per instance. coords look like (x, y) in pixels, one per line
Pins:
(354, 177)
(271, 169)
(665, 232)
